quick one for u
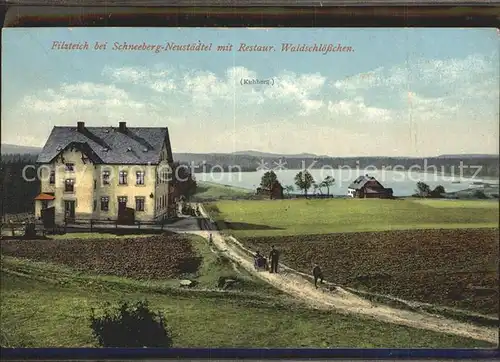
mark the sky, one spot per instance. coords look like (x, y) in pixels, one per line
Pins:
(399, 92)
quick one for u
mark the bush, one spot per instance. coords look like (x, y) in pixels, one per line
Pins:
(438, 192)
(130, 325)
(479, 194)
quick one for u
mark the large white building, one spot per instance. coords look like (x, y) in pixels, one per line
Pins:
(105, 173)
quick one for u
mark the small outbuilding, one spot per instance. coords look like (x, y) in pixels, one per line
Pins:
(368, 187)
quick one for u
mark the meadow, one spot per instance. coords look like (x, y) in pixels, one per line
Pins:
(255, 218)
(443, 252)
(46, 300)
(206, 191)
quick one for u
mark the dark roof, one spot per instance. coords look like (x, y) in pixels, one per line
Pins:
(137, 145)
(360, 182)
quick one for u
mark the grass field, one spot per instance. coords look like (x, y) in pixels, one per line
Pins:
(293, 217)
(443, 252)
(48, 304)
(40, 314)
(213, 191)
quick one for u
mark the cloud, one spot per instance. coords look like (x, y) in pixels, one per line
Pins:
(426, 90)
(158, 79)
(204, 88)
(403, 108)
(94, 103)
(472, 70)
(284, 137)
(357, 111)
(80, 98)
(304, 90)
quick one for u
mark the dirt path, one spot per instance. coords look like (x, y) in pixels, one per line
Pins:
(342, 300)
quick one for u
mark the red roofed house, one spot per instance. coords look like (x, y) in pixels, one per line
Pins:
(368, 187)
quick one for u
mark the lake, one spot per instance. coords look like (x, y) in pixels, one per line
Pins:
(403, 183)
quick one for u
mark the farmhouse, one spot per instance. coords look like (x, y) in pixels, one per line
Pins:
(105, 173)
(368, 187)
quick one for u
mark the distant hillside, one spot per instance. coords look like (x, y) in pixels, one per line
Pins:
(267, 154)
(473, 155)
(13, 149)
(250, 160)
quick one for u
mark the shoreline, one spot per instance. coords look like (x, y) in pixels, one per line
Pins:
(441, 174)
(295, 195)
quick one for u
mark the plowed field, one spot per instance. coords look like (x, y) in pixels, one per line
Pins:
(156, 257)
(457, 268)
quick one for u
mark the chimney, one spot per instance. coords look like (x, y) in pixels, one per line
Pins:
(123, 126)
(80, 126)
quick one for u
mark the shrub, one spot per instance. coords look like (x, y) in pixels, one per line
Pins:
(479, 194)
(438, 192)
(130, 325)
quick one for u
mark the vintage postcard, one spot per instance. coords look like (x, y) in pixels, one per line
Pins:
(250, 187)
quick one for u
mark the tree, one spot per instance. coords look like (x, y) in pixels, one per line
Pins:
(268, 179)
(288, 189)
(328, 182)
(18, 191)
(423, 190)
(317, 188)
(479, 194)
(183, 181)
(304, 181)
(130, 325)
(438, 191)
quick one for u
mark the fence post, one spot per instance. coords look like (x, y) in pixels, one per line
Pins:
(65, 225)
(91, 225)
(116, 223)
(138, 224)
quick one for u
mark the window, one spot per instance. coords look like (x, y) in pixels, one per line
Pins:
(139, 177)
(140, 203)
(95, 184)
(122, 203)
(70, 167)
(122, 178)
(95, 205)
(69, 185)
(104, 203)
(52, 177)
(162, 177)
(105, 177)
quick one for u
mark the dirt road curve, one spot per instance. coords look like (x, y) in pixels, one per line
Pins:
(343, 301)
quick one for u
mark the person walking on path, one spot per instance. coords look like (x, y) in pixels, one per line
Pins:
(210, 240)
(274, 257)
(317, 274)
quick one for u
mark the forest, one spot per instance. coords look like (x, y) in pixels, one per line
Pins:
(17, 192)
